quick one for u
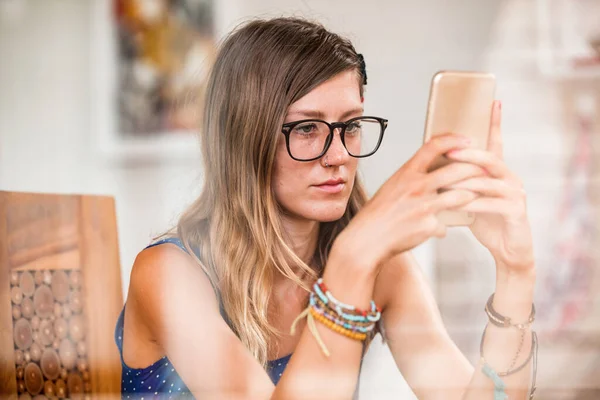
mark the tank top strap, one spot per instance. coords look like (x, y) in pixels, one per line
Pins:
(174, 240)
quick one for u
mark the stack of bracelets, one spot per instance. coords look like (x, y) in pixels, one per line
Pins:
(504, 322)
(356, 324)
(342, 318)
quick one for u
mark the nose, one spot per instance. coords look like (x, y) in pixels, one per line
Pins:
(336, 153)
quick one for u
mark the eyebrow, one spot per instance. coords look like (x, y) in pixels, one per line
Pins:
(321, 115)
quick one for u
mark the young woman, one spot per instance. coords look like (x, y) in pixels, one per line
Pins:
(211, 306)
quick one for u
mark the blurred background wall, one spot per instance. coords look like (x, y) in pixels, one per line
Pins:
(49, 70)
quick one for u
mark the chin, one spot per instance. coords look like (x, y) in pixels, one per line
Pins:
(326, 211)
(330, 218)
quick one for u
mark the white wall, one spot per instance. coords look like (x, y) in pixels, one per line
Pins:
(47, 142)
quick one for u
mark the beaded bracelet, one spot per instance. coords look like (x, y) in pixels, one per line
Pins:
(356, 327)
(356, 320)
(337, 328)
(319, 304)
(335, 315)
(354, 313)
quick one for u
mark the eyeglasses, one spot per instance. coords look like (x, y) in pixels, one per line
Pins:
(309, 139)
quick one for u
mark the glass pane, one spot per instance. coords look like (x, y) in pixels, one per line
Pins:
(307, 139)
(362, 136)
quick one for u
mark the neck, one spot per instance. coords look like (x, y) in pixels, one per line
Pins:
(302, 235)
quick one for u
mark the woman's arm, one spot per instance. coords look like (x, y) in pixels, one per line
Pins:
(423, 350)
(175, 304)
(429, 360)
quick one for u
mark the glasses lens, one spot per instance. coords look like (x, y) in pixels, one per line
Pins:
(308, 139)
(362, 136)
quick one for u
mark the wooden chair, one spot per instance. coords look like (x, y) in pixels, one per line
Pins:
(60, 296)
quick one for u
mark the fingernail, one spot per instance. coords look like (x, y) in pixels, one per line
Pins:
(499, 104)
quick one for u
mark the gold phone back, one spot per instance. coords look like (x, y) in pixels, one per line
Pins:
(460, 102)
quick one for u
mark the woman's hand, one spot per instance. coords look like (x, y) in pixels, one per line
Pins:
(402, 214)
(501, 223)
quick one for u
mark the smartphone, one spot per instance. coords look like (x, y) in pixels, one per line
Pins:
(459, 102)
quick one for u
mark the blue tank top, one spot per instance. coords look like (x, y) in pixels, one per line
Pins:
(161, 378)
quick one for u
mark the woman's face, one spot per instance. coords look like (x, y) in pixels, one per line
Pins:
(296, 183)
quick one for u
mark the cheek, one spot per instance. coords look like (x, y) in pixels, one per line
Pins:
(289, 177)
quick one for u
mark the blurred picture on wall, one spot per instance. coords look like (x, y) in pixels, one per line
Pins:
(165, 48)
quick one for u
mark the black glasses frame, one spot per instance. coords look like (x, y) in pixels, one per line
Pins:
(287, 128)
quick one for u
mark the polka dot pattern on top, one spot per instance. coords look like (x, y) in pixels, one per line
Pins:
(161, 380)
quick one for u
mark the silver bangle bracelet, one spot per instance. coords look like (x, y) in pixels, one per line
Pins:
(505, 322)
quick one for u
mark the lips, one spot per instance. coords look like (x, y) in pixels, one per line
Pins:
(332, 185)
(332, 182)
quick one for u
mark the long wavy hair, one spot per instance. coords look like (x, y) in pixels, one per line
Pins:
(235, 225)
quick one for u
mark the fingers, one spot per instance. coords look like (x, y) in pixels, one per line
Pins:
(452, 199)
(452, 173)
(495, 134)
(431, 226)
(482, 158)
(485, 159)
(495, 205)
(436, 147)
(489, 187)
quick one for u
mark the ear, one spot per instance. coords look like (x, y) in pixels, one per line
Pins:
(495, 133)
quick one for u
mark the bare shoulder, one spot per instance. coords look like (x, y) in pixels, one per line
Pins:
(166, 261)
(177, 314)
(160, 267)
(165, 279)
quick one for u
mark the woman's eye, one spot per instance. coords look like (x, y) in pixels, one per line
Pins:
(354, 127)
(305, 128)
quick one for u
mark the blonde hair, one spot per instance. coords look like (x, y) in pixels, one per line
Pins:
(234, 226)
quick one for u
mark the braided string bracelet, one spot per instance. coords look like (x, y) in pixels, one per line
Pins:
(342, 318)
(321, 309)
(355, 314)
